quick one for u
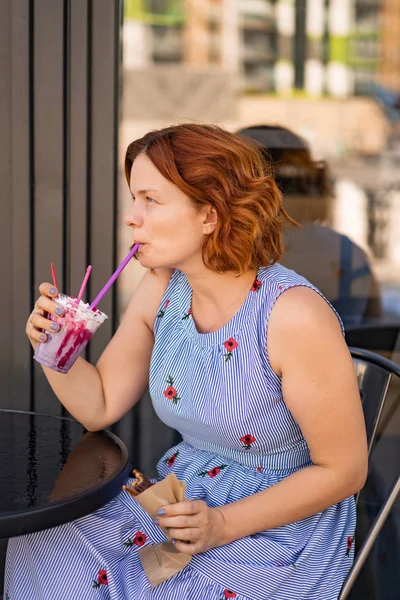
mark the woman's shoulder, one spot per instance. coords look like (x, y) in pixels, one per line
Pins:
(301, 318)
(168, 292)
(296, 301)
(279, 278)
(303, 304)
(153, 288)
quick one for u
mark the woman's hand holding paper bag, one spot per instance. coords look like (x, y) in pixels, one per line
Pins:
(193, 525)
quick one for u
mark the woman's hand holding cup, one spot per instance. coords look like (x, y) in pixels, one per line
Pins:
(38, 323)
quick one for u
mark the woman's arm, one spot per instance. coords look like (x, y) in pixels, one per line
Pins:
(98, 396)
(307, 349)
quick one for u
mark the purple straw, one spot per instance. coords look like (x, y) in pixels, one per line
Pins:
(113, 277)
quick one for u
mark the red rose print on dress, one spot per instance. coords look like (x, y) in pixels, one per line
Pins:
(101, 579)
(350, 541)
(247, 441)
(162, 310)
(230, 345)
(228, 594)
(187, 314)
(170, 461)
(212, 472)
(256, 285)
(138, 540)
(171, 392)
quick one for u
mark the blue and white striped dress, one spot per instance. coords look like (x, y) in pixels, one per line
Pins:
(219, 390)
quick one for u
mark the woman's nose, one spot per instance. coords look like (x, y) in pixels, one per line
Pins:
(133, 219)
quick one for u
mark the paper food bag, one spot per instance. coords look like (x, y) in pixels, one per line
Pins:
(161, 561)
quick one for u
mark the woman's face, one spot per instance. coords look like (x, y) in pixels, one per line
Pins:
(163, 219)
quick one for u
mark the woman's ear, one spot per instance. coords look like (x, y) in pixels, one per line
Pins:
(210, 219)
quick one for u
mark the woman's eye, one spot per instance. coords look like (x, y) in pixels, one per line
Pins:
(150, 200)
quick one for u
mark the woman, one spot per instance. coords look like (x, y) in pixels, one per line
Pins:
(247, 360)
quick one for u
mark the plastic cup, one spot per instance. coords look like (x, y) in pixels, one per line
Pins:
(78, 324)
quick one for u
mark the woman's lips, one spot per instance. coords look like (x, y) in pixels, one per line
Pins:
(136, 244)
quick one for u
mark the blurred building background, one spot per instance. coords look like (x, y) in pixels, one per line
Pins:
(327, 69)
(317, 47)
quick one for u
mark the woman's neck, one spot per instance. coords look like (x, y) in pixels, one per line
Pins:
(216, 297)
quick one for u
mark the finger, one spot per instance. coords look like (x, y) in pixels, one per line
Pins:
(36, 335)
(180, 521)
(35, 312)
(48, 289)
(29, 322)
(45, 304)
(187, 547)
(186, 535)
(40, 322)
(188, 507)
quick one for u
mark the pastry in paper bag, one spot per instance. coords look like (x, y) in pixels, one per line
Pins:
(161, 561)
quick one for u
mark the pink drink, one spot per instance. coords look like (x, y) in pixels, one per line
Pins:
(77, 326)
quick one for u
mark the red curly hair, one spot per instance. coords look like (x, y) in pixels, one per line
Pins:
(215, 167)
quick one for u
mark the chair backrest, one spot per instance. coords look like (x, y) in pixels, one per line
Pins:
(374, 373)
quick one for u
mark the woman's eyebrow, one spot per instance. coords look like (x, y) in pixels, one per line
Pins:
(145, 190)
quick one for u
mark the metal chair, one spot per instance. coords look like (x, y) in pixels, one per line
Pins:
(374, 374)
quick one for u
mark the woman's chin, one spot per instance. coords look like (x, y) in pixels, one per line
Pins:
(148, 263)
(144, 263)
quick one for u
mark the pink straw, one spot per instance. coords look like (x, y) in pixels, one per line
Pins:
(113, 277)
(84, 282)
(53, 272)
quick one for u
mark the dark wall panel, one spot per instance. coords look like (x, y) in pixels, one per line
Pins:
(5, 196)
(77, 167)
(59, 70)
(48, 93)
(21, 206)
(78, 180)
(103, 161)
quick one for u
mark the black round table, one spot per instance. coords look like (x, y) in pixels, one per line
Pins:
(53, 471)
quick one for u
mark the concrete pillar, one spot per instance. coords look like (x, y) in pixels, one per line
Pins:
(340, 80)
(314, 68)
(230, 36)
(284, 68)
(350, 212)
(137, 44)
(389, 71)
(196, 38)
